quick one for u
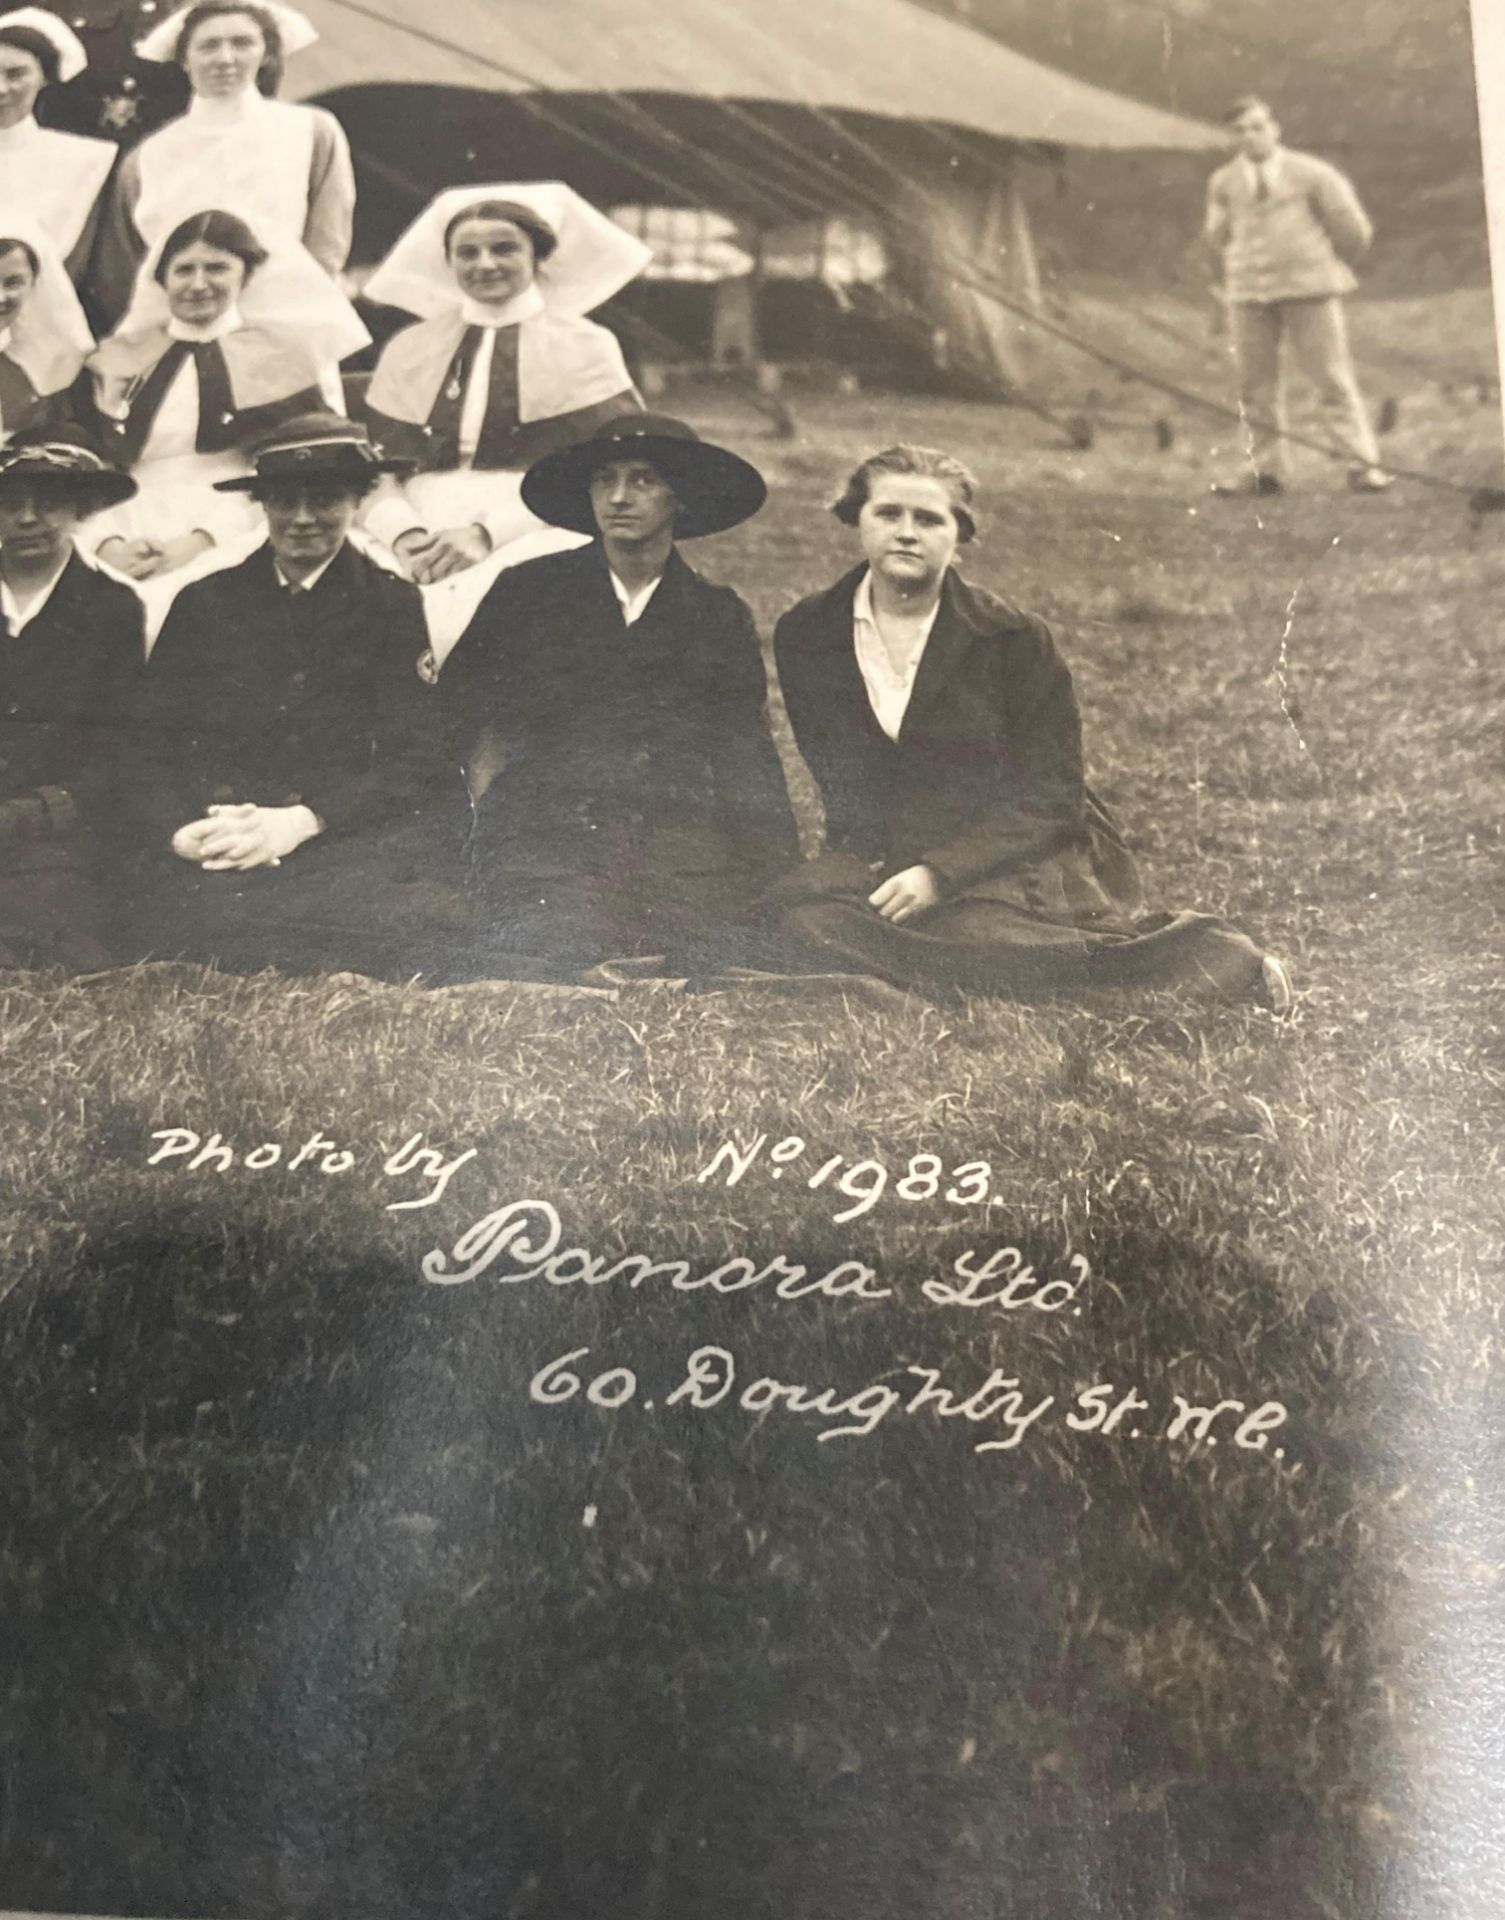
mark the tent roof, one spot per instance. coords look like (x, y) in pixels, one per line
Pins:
(884, 57)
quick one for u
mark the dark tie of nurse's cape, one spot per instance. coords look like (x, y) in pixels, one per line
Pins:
(216, 429)
(18, 397)
(503, 402)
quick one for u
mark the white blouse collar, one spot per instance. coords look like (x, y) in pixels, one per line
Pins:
(864, 610)
(1269, 168)
(523, 306)
(228, 322)
(209, 113)
(23, 134)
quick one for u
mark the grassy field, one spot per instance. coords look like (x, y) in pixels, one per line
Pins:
(311, 1609)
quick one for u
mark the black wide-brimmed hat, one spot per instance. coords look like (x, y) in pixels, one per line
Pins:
(65, 457)
(715, 489)
(313, 446)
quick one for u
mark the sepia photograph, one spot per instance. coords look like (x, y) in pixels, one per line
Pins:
(750, 971)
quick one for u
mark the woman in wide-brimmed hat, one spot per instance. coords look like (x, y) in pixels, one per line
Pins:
(284, 168)
(501, 367)
(57, 179)
(963, 845)
(609, 707)
(293, 748)
(714, 489)
(177, 398)
(71, 653)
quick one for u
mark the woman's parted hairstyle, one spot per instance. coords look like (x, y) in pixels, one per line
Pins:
(216, 228)
(541, 235)
(41, 49)
(269, 75)
(23, 247)
(926, 463)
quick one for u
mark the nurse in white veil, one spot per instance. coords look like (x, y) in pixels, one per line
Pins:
(43, 333)
(58, 177)
(501, 367)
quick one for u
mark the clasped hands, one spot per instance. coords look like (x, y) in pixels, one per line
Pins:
(243, 836)
(431, 557)
(905, 895)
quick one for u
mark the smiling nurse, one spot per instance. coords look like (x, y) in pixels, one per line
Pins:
(285, 169)
(502, 368)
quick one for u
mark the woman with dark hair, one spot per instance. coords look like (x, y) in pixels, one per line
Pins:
(176, 401)
(43, 333)
(284, 168)
(964, 848)
(57, 178)
(502, 368)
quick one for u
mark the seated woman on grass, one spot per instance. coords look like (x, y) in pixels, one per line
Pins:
(290, 755)
(69, 663)
(964, 848)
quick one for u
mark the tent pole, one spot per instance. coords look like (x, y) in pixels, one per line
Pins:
(1024, 263)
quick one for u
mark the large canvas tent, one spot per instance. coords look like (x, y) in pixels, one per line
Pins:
(769, 112)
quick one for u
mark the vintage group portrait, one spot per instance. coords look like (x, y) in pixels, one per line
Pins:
(750, 853)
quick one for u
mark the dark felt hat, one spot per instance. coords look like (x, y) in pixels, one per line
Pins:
(65, 456)
(313, 446)
(715, 489)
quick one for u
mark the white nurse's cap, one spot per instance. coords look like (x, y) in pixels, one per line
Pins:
(71, 58)
(296, 29)
(593, 257)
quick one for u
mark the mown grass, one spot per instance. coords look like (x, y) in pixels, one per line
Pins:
(311, 1611)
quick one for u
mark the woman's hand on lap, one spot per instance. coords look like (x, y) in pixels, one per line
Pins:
(189, 842)
(452, 551)
(173, 554)
(240, 837)
(905, 895)
(137, 559)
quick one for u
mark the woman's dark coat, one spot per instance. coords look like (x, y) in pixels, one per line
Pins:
(634, 760)
(984, 784)
(255, 693)
(66, 683)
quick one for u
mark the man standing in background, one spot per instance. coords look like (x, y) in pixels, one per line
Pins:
(1289, 230)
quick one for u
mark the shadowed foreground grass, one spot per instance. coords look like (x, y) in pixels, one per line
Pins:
(312, 1610)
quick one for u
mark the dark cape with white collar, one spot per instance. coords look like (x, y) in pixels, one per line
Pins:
(263, 376)
(556, 378)
(19, 399)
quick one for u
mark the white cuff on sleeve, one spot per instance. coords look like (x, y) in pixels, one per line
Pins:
(389, 516)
